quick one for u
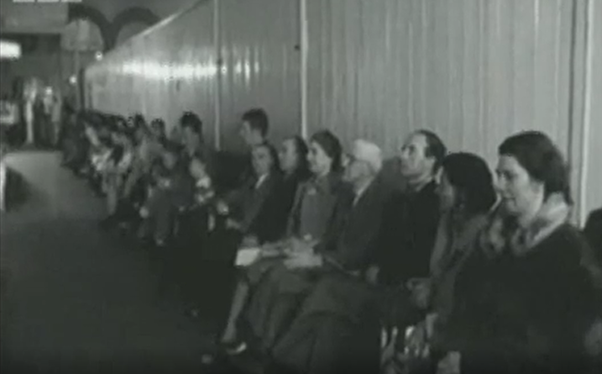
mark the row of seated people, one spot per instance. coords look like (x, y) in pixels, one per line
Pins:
(421, 245)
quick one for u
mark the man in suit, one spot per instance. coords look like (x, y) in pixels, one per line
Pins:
(410, 228)
(412, 219)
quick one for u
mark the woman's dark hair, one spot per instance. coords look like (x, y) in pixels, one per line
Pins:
(472, 179)
(301, 150)
(434, 147)
(331, 146)
(540, 157)
(191, 120)
(273, 154)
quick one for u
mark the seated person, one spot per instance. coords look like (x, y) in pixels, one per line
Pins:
(158, 131)
(192, 136)
(410, 228)
(147, 152)
(337, 324)
(203, 186)
(310, 214)
(252, 207)
(100, 159)
(118, 173)
(172, 191)
(466, 193)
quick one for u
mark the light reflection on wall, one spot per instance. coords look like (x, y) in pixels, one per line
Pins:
(158, 71)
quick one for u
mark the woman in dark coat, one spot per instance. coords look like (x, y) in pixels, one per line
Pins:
(525, 301)
(311, 211)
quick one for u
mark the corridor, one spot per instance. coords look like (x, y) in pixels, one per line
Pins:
(78, 299)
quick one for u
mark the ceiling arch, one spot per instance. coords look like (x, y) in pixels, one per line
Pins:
(85, 12)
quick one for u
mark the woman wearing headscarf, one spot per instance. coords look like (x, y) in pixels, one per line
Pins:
(526, 300)
(311, 213)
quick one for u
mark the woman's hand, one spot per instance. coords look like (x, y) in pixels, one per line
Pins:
(450, 364)
(221, 207)
(300, 246)
(303, 260)
(232, 224)
(144, 213)
(164, 183)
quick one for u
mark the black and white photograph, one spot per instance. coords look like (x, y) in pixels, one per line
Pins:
(301, 186)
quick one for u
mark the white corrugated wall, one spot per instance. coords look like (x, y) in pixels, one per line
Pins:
(475, 71)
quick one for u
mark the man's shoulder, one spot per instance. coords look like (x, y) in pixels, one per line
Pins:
(595, 217)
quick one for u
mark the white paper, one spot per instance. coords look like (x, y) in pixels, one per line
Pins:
(247, 256)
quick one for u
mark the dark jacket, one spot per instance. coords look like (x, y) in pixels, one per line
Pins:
(258, 210)
(410, 228)
(527, 313)
(593, 233)
(281, 203)
(352, 240)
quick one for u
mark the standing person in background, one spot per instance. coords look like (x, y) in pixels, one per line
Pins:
(56, 119)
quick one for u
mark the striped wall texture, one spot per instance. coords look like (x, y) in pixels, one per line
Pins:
(474, 71)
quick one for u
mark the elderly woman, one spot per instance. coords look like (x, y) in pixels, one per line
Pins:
(311, 212)
(525, 299)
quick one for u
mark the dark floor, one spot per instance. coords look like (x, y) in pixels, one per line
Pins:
(78, 298)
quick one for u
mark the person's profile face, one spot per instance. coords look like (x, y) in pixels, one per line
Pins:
(515, 186)
(288, 156)
(262, 160)
(246, 133)
(355, 169)
(414, 161)
(319, 161)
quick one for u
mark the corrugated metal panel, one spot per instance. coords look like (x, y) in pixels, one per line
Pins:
(261, 65)
(594, 147)
(162, 73)
(474, 71)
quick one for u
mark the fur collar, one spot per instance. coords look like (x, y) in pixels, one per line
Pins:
(503, 233)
